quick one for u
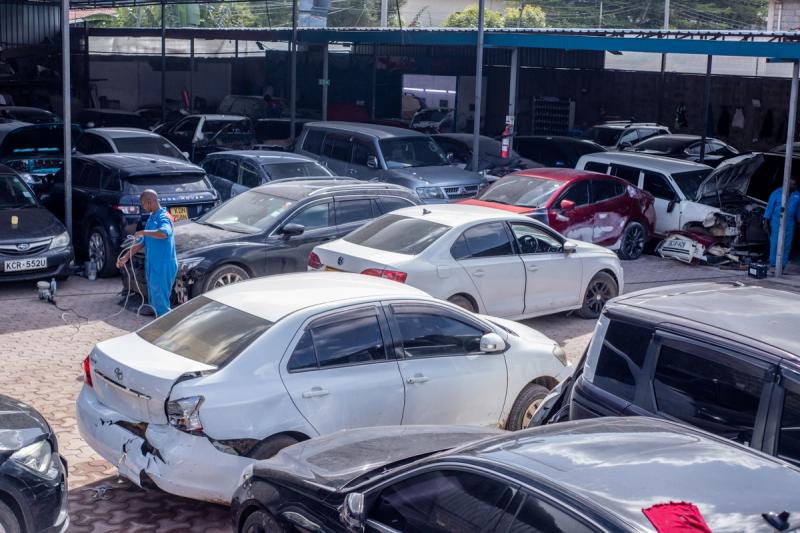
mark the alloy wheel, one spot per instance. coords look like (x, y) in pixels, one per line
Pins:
(598, 293)
(97, 248)
(526, 419)
(633, 244)
(227, 279)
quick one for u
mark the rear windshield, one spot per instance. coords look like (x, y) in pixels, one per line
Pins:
(169, 184)
(298, 169)
(231, 126)
(147, 145)
(205, 330)
(398, 234)
(522, 191)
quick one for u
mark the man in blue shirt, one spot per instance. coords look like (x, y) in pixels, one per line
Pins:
(772, 219)
(160, 260)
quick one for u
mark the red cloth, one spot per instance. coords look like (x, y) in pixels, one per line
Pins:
(676, 517)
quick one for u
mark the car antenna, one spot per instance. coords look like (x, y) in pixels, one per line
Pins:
(425, 211)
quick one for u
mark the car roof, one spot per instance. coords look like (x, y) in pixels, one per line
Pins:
(558, 174)
(621, 125)
(273, 297)
(26, 108)
(116, 133)
(625, 465)
(558, 138)
(141, 164)
(771, 316)
(648, 162)
(375, 130)
(263, 156)
(300, 188)
(217, 117)
(455, 215)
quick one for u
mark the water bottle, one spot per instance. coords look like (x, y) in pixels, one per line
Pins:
(92, 271)
(53, 288)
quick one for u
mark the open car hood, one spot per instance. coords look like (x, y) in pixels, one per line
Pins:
(732, 174)
(36, 140)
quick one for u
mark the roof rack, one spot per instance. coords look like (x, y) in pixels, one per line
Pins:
(369, 185)
(314, 178)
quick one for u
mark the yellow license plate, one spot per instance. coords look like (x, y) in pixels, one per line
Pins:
(179, 213)
(331, 269)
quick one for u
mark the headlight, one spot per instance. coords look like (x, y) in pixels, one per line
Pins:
(189, 263)
(560, 354)
(430, 193)
(60, 241)
(37, 457)
(184, 414)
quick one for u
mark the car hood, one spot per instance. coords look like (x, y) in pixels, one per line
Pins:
(191, 237)
(440, 175)
(505, 207)
(32, 223)
(34, 140)
(332, 461)
(733, 174)
(20, 425)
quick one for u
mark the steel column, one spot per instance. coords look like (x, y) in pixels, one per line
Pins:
(66, 97)
(787, 167)
(512, 94)
(476, 130)
(384, 13)
(706, 102)
(293, 74)
(325, 82)
(191, 75)
(163, 64)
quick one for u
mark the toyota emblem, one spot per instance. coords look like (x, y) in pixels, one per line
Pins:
(340, 261)
(118, 373)
(23, 246)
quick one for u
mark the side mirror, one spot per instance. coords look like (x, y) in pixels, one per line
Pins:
(492, 343)
(671, 205)
(451, 157)
(625, 145)
(566, 205)
(570, 247)
(292, 230)
(185, 154)
(352, 512)
(372, 162)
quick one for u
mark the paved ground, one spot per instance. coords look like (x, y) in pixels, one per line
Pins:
(43, 348)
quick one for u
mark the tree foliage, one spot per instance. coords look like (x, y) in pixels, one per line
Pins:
(530, 17)
(468, 18)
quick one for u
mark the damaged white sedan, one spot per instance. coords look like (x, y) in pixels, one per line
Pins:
(190, 400)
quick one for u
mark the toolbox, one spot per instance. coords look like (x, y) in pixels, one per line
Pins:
(758, 270)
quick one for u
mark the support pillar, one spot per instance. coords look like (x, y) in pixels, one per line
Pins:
(293, 74)
(706, 102)
(476, 130)
(512, 94)
(191, 76)
(66, 96)
(787, 167)
(163, 64)
(325, 82)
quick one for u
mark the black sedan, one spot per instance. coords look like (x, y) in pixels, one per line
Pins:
(614, 474)
(33, 243)
(31, 115)
(555, 150)
(458, 147)
(678, 146)
(33, 477)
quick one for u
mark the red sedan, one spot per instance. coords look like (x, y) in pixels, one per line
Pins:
(581, 205)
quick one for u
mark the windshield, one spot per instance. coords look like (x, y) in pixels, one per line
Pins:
(603, 136)
(147, 145)
(412, 152)
(689, 182)
(14, 193)
(278, 171)
(249, 212)
(398, 234)
(205, 330)
(169, 183)
(662, 143)
(236, 126)
(522, 191)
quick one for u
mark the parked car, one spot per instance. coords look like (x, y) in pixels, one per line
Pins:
(271, 229)
(555, 151)
(617, 135)
(200, 135)
(30, 115)
(581, 205)
(234, 171)
(458, 147)
(722, 357)
(111, 118)
(686, 147)
(105, 199)
(433, 120)
(33, 243)
(690, 197)
(126, 140)
(627, 475)
(35, 151)
(244, 371)
(250, 106)
(394, 155)
(484, 260)
(273, 133)
(33, 476)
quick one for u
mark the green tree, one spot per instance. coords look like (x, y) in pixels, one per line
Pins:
(468, 18)
(531, 17)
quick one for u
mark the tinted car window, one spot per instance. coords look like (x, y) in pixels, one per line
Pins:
(147, 145)
(303, 357)
(249, 176)
(789, 433)
(313, 141)
(392, 203)
(277, 171)
(578, 193)
(621, 358)
(594, 166)
(349, 211)
(227, 168)
(442, 501)
(361, 152)
(91, 176)
(533, 240)
(720, 395)
(337, 147)
(629, 174)
(434, 335)
(398, 234)
(657, 185)
(488, 240)
(349, 342)
(606, 189)
(630, 136)
(111, 181)
(537, 516)
(14, 192)
(168, 183)
(90, 143)
(205, 330)
(313, 217)
(188, 126)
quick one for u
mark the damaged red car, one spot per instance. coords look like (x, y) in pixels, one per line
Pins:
(581, 205)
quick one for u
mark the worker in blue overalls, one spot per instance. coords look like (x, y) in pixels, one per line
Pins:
(160, 259)
(772, 220)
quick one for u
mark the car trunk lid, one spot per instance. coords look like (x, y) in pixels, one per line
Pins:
(134, 377)
(349, 257)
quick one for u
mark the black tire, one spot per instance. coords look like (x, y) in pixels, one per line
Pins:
(600, 290)
(463, 302)
(224, 275)
(8, 520)
(269, 447)
(525, 405)
(633, 241)
(261, 522)
(99, 245)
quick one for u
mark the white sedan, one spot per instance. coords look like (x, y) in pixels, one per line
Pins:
(194, 397)
(485, 260)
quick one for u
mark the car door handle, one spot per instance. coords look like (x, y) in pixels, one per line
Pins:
(478, 272)
(352, 171)
(532, 268)
(316, 392)
(417, 378)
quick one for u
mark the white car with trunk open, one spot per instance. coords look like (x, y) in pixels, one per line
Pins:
(194, 397)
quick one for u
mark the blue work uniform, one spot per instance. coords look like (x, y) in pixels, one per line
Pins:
(773, 215)
(160, 261)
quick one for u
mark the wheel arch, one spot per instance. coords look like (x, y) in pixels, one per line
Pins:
(472, 300)
(15, 507)
(548, 382)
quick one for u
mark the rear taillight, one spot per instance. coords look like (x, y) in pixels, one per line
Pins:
(314, 261)
(394, 275)
(87, 371)
(126, 209)
(184, 414)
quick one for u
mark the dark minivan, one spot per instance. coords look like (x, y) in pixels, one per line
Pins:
(105, 199)
(722, 357)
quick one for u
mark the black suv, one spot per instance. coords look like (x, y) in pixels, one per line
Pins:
(722, 357)
(271, 229)
(105, 199)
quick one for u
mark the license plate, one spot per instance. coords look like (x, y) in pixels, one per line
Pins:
(680, 244)
(16, 265)
(331, 269)
(179, 213)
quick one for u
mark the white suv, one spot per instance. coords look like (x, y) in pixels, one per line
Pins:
(234, 375)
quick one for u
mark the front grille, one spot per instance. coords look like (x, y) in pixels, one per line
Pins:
(28, 248)
(461, 191)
